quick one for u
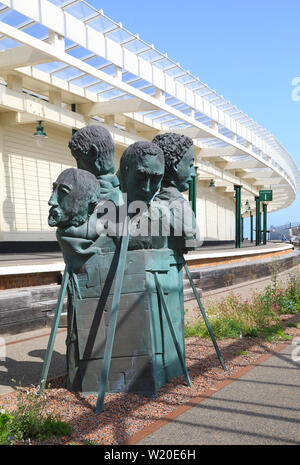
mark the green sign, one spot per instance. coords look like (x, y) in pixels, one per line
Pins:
(266, 195)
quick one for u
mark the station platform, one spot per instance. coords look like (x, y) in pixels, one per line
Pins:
(30, 282)
(42, 263)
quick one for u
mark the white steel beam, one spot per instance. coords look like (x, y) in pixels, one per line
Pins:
(240, 164)
(268, 182)
(115, 106)
(21, 56)
(259, 174)
(221, 152)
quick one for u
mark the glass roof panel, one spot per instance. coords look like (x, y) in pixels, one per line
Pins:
(113, 93)
(174, 72)
(120, 35)
(102, 24)
(136, 46)
(185, 79)
(100, 87)
(97, 62)
(150, 55)
(163, 64)
(80, 11)
(129, 76)
(51, 67)
(38, 31)
(13, 18)
(140, 83)
(68, 73)
(6, 43)
(60, 3)
(81, 53)
(109, 70)
(86, 80)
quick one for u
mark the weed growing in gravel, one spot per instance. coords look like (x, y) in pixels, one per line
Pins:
(258, 316)
(31, 420)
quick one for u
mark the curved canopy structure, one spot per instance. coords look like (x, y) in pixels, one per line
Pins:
(66, 63)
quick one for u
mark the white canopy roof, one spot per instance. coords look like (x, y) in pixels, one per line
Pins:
(67, 52)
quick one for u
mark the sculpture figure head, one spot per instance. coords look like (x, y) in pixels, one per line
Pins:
(179, 159)
(75, 195)
(141, 171)
(94, 149)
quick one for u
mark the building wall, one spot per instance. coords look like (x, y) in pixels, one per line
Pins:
(28, 170)
(27, 173)
(215, 215)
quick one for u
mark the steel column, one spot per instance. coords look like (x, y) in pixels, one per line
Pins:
(242, 228)
(265, 208)
(73, 108)
(251, 227)
(193, 192)
(257, 219)
(237, 216)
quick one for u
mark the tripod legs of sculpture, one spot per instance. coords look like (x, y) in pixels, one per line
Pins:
(177, 346)
(205, 316)
(58, 310)
(113, 318)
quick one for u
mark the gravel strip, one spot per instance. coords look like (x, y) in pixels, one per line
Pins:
(126, 414)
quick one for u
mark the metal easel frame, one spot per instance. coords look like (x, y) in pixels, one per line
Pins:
(113, 317)
(176, 343)
(204, 316)
(58, 310)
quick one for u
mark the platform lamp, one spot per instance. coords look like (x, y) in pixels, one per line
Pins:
(212, 184)
(39, 134)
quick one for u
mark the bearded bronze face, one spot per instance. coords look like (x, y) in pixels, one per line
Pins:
(74, 197)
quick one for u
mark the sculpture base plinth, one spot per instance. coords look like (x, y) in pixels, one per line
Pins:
(144, 357)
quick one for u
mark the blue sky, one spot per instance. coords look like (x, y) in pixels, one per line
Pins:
(248, 51)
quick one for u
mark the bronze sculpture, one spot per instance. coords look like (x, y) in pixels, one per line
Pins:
(94, 149)
(179, 169)
(123, 281)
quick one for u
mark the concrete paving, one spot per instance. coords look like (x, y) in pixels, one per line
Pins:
(22, 356)
(260, 408)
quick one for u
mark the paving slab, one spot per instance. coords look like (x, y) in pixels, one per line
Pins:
(22, 356)
(260, 408)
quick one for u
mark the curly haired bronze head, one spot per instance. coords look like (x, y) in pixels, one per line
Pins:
(93, 148)
(174, 147)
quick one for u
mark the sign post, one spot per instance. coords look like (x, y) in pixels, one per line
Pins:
(266, 195)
